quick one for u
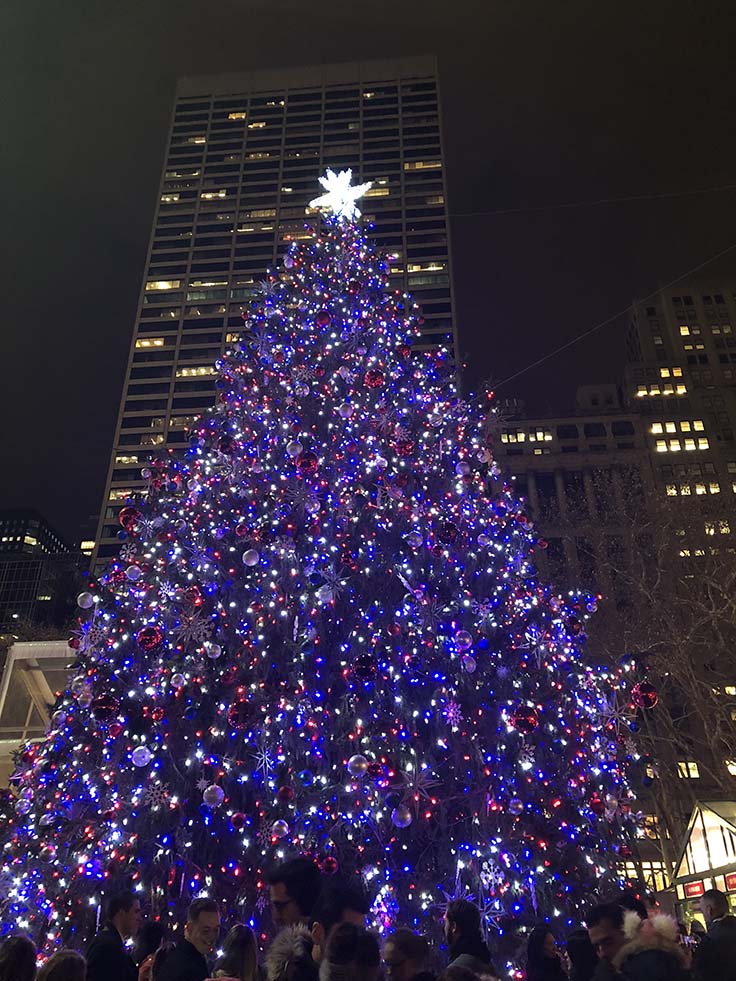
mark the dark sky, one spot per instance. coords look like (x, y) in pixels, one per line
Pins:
(544, 103)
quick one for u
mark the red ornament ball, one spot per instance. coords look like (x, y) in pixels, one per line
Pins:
(597, 805)
(115, 729)
(329, 865)
(157, 714)
(354, 287)
(644, 695)
(105, 707)
(193, 596)
(323, 318)
(129, 518)
(149, 638)
(307, 463)
(375, 770)
(238, 820)
(525, 719)
(238, 714)
(373, 378)
(285, 795)
(404, 350)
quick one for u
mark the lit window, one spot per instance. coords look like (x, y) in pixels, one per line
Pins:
(654, 390)
(700, 488)
(150, 342)
(257, 125)
(677, 372)
(126, 459)
(671, 490)
(703, 444)
(414, 267)
(641, 391)
(152, 439)
(681, 389)
(729, 690)
(260, 155)
(685, 426)
(698, 425)
(661, 446)
(30, 540)
(169, 198)
(685, 490)
(197, 139)
(377, 192)
(657, 427)
(198, 371)
(684, 330)
(369, 95)
(232, 338)
(724, 527)
(260, 213)
(213, 195)
(120, 494)
(731, 767)
(714, 487)
(675, 446)
(236, 115)
(163, 284)
(287, 190)
(422, 164)
(689, 443)
(436, 199)
(670, 427)
(182, 422)
(664, 372)
(688, 770)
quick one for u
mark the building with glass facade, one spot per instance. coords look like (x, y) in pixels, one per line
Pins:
(242, 163)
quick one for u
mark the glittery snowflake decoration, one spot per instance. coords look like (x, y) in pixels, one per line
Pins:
(419, 781)
(156, 795)
(453, 714)
(202, 784)
(128, 552)
(341, 195)
(193, 630)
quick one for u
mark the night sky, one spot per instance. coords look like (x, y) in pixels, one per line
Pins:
(544, 104)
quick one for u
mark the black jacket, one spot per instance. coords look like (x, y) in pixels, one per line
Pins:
(184, 963)
(715, 956)
(472, 953)
(107, 959)
(550, 970)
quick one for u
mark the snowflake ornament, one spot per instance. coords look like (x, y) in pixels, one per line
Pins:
(202, 784)
(340, 196)
(193, 630)
(156, 795)
(453, 714)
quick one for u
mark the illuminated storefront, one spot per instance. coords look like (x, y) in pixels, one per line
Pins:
(708, 858)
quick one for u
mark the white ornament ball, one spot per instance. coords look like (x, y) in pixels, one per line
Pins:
(141, 756)
(213, 650)
(23, 807)
(516, 806)
(251, 557)
(464, 640)
(288, 261)
(85, 699)
(48, 853)
(85, 601)
(415, 539)
(462, 468)
(312, 506)
(381, 462)
(484, 540)
(134, 573)
(294, 448)
(279, 829)
(357, 765)
(346, 410)
(401, 816)
(213, 795)
(178, 681)
(469, 663)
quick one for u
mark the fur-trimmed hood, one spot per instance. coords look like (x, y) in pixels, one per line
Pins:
(658, 933)
(289, 957)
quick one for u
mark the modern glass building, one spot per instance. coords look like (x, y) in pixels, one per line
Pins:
(243, 159)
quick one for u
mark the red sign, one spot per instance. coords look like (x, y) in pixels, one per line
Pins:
(694, 889)
(731, 880)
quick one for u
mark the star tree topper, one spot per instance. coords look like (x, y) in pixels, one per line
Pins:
(341, 195)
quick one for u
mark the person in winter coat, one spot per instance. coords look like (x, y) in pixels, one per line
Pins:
(715, 957)
(542, 959)
(582, 956)
(462, 932)
(405, 956)
(651, 951)
(352, 954)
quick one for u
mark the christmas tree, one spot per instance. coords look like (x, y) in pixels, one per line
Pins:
(324, 635)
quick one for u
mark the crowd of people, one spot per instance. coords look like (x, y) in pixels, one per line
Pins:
(321, 936)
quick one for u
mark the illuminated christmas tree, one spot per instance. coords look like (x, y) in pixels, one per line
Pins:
(324, 634)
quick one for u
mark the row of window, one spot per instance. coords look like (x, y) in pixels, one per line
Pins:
(676, 445)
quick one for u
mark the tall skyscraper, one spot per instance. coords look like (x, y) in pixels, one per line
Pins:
(242, 162)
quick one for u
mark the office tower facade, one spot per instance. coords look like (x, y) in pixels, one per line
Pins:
(681, 376)
(242, 162)
(40, 574)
